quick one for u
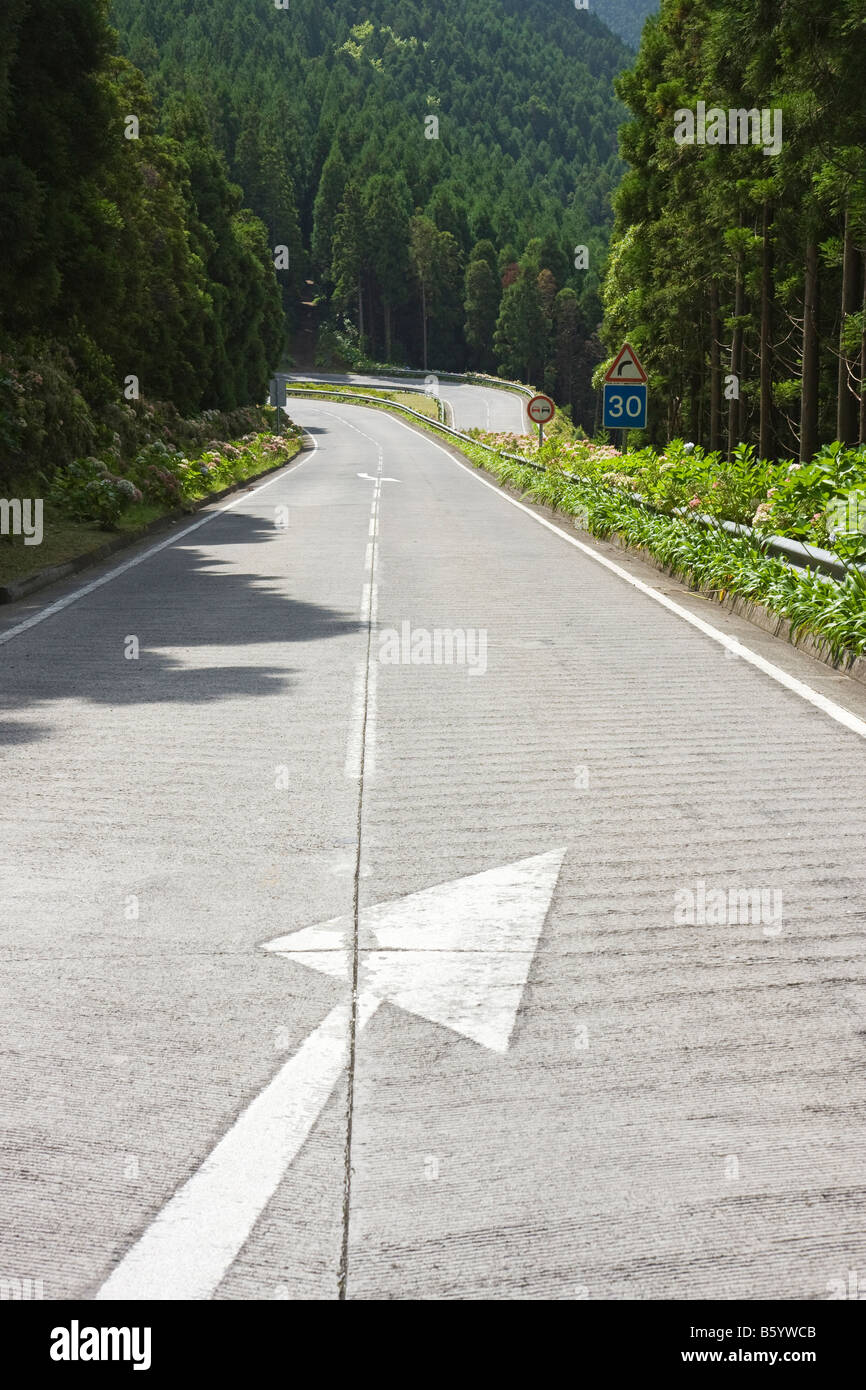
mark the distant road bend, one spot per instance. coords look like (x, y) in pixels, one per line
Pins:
(469, 406)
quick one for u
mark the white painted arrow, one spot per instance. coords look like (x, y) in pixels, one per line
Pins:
(458, 955)
(370, 479)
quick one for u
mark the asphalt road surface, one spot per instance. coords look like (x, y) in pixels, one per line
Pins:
(331, 968)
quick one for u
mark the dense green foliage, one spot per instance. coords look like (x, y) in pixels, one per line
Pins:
(737, 271)
(324, 115)
(123, 257)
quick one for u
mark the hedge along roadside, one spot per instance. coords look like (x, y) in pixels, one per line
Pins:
(712, 558)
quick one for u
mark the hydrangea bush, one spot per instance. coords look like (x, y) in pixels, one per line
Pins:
(103, 489)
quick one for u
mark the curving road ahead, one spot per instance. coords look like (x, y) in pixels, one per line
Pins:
(598, 871)
(469, 407)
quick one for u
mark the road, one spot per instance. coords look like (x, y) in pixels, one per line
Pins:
(563, 1075)
(467, 406)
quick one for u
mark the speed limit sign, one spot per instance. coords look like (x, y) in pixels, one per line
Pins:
(624, 407)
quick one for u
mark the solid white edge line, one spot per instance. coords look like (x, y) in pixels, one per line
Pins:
(813, 697)
(173, 539)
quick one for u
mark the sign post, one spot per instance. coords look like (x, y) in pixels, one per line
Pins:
(275, 402)
(540, 411)
(625, 393)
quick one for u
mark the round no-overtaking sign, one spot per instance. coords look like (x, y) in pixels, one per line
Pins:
(540, 410)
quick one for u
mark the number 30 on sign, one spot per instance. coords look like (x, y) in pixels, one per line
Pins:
(625, 407)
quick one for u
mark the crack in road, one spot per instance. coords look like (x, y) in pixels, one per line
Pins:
(369, 611)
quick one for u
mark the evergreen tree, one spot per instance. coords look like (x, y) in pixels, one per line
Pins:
(483, 295)
(521, 331)
(741, 278)
(386, 207)
(300, 104)
(332, 187)
(349, 249)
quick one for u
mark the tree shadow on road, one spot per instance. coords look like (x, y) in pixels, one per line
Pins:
(180, 601)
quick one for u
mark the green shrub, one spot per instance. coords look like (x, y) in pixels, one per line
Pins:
(87, 491)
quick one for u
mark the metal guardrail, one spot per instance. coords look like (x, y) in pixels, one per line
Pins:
(793, 552)
(322, 388)
(467, 378)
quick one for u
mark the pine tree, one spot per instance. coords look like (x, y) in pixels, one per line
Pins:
(483, 296)
(332, 187)
(521, 331)
(386, 208)
(349, 249)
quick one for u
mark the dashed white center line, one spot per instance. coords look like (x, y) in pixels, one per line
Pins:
(360, 750)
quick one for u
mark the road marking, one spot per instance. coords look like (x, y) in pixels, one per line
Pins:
(372, 701)
(360, 749)
(805, 692)
(188, 1249)
(458, 955)
(145, 555)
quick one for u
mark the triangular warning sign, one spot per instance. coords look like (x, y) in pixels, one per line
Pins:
(626, 367)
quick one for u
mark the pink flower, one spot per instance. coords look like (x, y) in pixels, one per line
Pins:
(695, 502)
